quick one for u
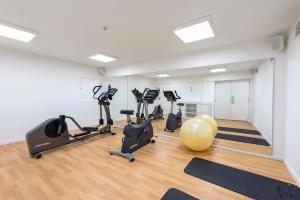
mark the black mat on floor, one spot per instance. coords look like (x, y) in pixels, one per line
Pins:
(243, 182)
(174, 194)
(237, 138)
(239, 130)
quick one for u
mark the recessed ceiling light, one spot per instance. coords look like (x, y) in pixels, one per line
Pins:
(102, 58)
(196, 30)
(16, 33)
(218, 70)
(163, 75)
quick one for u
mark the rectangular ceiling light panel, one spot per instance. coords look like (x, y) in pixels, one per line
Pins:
(218, 70)
(16, 33)
(163, 75)
(196, 30)
(102, 58)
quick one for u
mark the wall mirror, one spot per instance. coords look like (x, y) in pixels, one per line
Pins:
(238, 96)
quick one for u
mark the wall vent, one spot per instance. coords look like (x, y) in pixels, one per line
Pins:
(298, 29)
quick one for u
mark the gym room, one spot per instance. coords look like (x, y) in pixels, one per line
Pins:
(166, 100)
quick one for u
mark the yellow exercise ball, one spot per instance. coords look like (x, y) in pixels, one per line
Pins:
(210, 121)
(196, 134)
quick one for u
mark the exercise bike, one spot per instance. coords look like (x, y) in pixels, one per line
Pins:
(137, 135)
(53, 133)
(174, 121)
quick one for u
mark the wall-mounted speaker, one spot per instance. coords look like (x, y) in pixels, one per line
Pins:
(277, 43)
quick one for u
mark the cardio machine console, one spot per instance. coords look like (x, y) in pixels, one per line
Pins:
(112, 91)
(171, 96)
(151, 95)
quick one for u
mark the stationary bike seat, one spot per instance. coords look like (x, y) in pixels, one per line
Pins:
(180, 104)
(127, 112)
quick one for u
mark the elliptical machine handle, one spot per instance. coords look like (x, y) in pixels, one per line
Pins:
(145, 91)
(96, 89)
(100, 96)
(176, 95)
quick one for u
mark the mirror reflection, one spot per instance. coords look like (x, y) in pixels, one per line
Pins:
(238, 98)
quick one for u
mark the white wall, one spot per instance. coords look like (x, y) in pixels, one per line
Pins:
(263, 99)
(238, 52)
(34, 88)
(199, 88)
(292, 103)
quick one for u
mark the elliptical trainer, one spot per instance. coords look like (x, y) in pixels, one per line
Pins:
(137, 135)
(174, 121)
(53, 133)
(158, 112)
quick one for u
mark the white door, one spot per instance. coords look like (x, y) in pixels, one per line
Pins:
(222, 100)
(240, 100)
(232, 100)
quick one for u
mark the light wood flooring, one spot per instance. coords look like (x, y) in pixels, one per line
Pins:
(86, 171)
(159, 126)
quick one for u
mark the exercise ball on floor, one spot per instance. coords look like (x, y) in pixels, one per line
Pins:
(211, 121)
(196, 134)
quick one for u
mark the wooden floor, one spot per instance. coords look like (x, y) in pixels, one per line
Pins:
(159, 126)
(86, 171)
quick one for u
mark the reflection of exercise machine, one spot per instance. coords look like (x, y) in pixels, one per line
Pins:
(174, 121)
(157, 112)
(53, 133)
(137, 135)
(140, 104)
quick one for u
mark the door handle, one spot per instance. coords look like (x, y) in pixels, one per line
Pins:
(232, 99)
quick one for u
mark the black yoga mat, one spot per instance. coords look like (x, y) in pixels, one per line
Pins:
(239, 130)
(174, 194)
(248, 184)
(237, 138)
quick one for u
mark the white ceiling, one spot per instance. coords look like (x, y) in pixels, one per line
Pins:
(233, 67)
(140, 29)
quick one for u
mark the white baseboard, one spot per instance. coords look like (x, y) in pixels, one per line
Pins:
(263, 134)
(10, 141)
(292, 172)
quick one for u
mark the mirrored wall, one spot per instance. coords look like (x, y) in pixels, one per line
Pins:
(239, 97)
